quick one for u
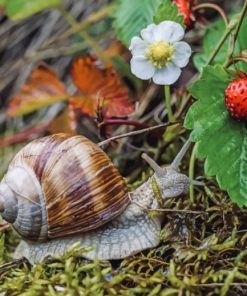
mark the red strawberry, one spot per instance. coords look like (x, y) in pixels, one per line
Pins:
(184, 8)
(236, 98)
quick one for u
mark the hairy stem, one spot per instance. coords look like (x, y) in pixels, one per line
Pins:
(192, 172)
(218, 46)
(235, 33)
(212, 6)
(168, 103)
(242, 15)
(235, 60)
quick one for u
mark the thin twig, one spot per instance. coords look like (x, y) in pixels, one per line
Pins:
(134, 133)
(219, 284)
(235, 60)
(145, 99)
(116, 121)
(13, 263)
(178, 211)
(165, 210)
(215, 7)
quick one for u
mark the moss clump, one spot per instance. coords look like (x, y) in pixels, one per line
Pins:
(200, 254)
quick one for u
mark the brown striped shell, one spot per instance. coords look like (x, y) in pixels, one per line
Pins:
(60, 185)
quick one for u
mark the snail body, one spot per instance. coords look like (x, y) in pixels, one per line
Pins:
(60, 190)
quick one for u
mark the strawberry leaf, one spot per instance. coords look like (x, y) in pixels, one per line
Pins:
(133, 16)
(168, 11)
(221, 139)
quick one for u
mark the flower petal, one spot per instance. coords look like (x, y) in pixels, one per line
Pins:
(141, 68)
(182, 54)
(148, 33)
(138, 46)
(167, 75)
(169, 31)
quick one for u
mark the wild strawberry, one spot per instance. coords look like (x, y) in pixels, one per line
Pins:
(184, 8)
(236, 98)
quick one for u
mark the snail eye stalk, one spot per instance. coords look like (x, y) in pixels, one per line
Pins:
(176, 162)
(159, 171)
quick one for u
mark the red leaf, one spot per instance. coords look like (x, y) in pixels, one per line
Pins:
(96, 83)
(42, 88)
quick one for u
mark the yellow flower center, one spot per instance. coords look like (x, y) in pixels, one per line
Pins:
(160, 54)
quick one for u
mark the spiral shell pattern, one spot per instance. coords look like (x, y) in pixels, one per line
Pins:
(80, 189)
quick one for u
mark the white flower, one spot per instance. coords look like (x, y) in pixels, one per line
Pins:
(160, 54)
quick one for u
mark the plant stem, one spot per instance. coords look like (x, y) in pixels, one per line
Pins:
(134, 133)
(88, 39)
(234, 34)
(243, 13)
(184, 106)
(218, 46)
(168, 103)
(123, 121)
(192, 172)
(235, 60)
(213, 6)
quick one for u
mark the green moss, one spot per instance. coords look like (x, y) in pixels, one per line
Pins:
(199, 254)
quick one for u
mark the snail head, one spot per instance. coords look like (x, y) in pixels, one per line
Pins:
(171, 182)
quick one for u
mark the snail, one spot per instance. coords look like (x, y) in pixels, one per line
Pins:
(64, 189)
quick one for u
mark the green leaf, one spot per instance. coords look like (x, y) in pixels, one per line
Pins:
(221, 139)
(20, 9)
(133, 16)
(168, 11)
(212, 36)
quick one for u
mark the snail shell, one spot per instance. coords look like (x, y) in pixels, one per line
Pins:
(59, 186)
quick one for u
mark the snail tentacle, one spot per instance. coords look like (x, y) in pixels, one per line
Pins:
(176, 162)
(159, 171)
